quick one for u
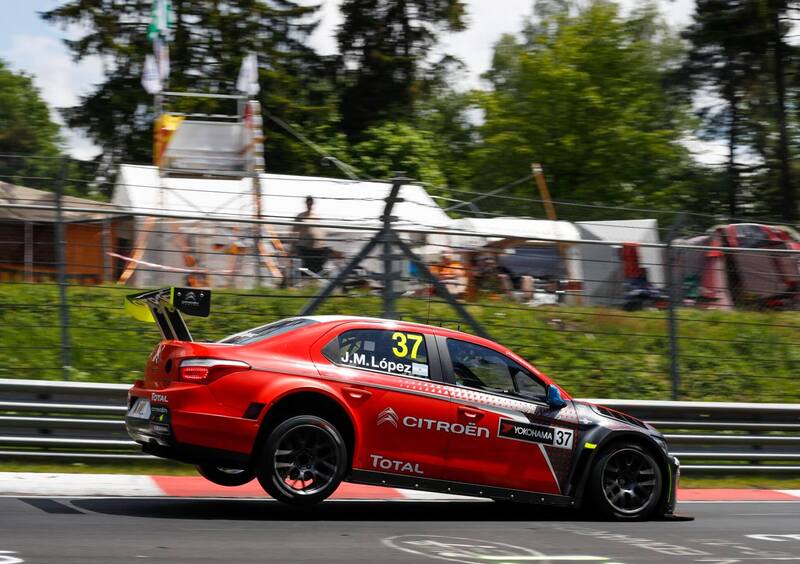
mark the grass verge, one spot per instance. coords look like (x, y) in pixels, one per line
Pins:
(592, 352)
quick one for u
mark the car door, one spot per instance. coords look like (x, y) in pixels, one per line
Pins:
(391, 379)
(523, 443)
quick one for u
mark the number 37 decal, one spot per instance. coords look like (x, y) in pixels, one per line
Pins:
(402, 348)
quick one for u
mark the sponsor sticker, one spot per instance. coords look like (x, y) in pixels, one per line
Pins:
(418, 369)
(140, 409)
(190, 299)
(528, 432)
(389, 416)
(383, 463)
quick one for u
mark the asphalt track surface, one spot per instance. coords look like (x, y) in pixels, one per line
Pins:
(120, 530)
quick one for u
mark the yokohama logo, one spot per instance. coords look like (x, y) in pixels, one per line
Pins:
(526, 432)
(388, 415)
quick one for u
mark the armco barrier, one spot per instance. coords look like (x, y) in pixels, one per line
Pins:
(75, 421)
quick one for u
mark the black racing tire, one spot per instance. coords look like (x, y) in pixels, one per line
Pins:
(221, 476)
(303, 462)
(625, 483)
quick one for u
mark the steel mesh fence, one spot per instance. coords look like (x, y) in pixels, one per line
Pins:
(634, 303)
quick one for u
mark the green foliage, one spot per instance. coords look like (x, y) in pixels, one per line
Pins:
(384, 46)
(26, 129)
(445, 114)
(583, 95)
(398, 147)
(592, 352)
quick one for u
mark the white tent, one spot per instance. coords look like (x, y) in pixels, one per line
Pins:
(602, 266)
(345, 205)
(596, 266)
(487, 230)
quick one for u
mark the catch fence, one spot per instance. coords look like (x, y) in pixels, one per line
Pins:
(631, 304)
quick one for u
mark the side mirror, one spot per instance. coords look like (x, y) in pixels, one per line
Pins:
(554, 399)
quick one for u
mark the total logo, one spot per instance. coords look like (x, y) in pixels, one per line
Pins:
(159, 398)
(389, 416)
(384, 463)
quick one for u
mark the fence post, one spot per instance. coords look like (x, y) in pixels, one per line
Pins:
(61, 270)
(673, 290)
(387, 236)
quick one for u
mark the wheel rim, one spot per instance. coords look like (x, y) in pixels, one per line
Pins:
(305, 460)
(629, 481)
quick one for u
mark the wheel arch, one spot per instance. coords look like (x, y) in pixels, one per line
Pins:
(307, 400)
(584, 466)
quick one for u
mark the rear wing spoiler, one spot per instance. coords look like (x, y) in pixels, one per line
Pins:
(165, 306)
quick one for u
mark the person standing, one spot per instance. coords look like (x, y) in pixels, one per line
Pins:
(309, 240)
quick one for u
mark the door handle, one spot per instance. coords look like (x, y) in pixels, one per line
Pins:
(356, 393)
(470, 413)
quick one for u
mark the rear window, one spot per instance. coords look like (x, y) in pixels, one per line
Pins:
(267, 331)
(400, 353)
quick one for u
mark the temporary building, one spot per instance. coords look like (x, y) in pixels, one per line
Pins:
(717, 276)
(562, 249)
(524, 232)
(603, 282)
(209, 237)
(27, 236)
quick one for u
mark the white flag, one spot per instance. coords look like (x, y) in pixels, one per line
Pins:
(161, 52)
(248, 75)
(151, 79)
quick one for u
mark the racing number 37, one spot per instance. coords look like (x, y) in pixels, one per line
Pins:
(401, 348)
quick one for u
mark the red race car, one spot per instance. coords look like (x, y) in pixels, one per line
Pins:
(305, 403)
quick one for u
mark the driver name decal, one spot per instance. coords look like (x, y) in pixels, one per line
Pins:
(361, 360)
(528, 432)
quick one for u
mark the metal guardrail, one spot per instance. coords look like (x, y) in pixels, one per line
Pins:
(75, 421)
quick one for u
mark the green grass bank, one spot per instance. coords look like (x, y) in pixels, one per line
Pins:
(592, 352)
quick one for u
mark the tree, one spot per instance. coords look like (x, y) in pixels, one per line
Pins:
(210, 40)
(739, 54)
(26, 130)
(396, 147)
(447, 115)
(778, 27)
(384, 46)
(584, 95)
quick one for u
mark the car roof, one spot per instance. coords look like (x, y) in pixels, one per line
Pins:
(339, 319)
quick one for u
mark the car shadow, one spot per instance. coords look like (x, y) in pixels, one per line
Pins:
(332, 510)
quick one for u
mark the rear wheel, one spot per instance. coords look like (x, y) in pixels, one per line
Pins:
(226, 476)
(303, 462)
(625, 483)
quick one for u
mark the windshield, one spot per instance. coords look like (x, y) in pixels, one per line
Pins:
(267, 331)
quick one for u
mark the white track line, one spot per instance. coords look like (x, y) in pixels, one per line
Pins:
(41, 483)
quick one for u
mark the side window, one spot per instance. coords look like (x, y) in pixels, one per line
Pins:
(482, 368)
(401, 353)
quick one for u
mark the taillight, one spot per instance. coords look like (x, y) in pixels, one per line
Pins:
(206, 370)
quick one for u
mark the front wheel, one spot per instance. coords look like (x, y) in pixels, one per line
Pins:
(230, 477)
(303, 462)
(626, 483)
